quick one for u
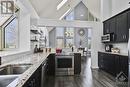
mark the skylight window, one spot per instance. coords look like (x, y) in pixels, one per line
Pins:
(64, 14)
(61, 4)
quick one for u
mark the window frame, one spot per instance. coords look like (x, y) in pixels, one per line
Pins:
(17, 30)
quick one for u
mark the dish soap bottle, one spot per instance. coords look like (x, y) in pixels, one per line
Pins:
(35, 49)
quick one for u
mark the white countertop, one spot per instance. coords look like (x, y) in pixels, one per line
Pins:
(122, 54)
(11, 52)
(35, 59)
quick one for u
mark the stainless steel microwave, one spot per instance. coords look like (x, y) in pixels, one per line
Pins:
(107, 37)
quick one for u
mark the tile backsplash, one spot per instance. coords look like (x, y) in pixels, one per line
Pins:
(122, 46)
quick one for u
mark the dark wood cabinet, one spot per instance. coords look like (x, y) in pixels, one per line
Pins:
(77, 63)
(121, 27)
(51, 64)
(106, 27)
(112, 63)
(35, 79)
(106, 62)
(124, 64)
(101, 61)
(118, 25)
(109, 26)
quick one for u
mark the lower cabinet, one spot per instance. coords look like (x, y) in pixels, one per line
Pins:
(113, 64)
(35, 79)
(77, 63)
(51, 65)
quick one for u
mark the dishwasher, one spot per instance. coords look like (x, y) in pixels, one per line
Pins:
(43, 74)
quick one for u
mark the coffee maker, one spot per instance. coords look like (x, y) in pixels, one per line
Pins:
(108, 47)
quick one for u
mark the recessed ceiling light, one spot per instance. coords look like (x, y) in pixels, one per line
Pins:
(61, 4)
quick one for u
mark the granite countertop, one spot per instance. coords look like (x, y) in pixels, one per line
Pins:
(122, 54)
(35, 59)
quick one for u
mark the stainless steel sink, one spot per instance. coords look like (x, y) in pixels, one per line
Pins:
(14, 69)
(5, 80)
(10, 73)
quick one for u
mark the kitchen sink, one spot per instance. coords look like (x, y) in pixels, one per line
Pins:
(14, 69)
(5, 80)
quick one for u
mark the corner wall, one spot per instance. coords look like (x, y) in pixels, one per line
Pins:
(96, 43)
(24, 32)
(24, 28)
(119, 5)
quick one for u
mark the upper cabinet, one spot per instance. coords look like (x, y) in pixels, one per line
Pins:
(118, 25)
(121, 28)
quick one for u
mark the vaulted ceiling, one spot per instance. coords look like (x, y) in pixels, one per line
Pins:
(48, 8)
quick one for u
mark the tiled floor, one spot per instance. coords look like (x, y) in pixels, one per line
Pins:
(88, 78)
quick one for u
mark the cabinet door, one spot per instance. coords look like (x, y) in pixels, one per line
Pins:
(112, 25)
(112, 28)
(106, 27)
(124, 64)
(121, 27)
(34, 80)
(110, 63)
(117, 64)
(100, 60)
(77, 63)
(128, 20)
(51, 65)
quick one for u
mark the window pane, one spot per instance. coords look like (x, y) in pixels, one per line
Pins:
(11, 31)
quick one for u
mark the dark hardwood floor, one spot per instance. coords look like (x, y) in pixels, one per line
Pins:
(88, 78)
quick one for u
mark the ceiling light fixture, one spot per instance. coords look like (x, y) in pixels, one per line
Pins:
(61, 4)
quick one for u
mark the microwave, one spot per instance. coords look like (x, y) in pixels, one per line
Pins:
(107, 37)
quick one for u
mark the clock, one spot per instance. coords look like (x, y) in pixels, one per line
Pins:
(81, 32)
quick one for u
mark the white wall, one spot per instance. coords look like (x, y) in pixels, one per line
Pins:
(122, 46)
(96, 44)
(106, 9)
(119, 5)
(24, 27)
(24, 32)
(110, 8)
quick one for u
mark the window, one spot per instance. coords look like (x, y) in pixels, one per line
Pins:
(11, 34)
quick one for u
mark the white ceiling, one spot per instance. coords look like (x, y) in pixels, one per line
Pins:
(48, 8)
(45, 8)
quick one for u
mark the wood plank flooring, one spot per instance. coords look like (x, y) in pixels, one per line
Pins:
(88, 78)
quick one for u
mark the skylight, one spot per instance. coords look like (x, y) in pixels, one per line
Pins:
(65, 14)
(61, 4)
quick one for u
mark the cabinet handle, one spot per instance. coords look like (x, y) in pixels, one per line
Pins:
(123, 36)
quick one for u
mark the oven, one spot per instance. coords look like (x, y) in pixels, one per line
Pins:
(64, 65)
